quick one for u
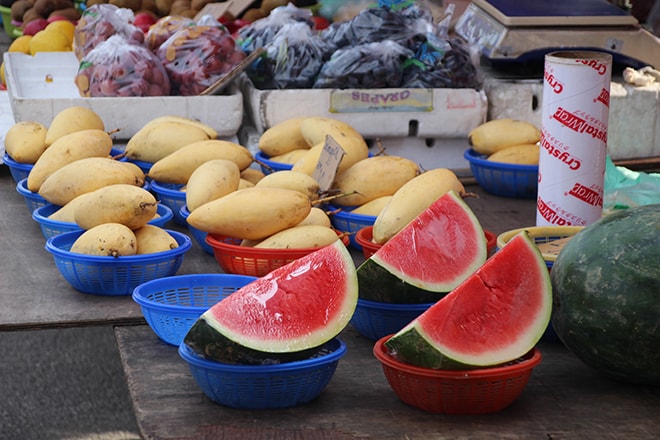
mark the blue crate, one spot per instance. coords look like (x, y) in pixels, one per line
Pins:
(171, 305)
(344, 220)
(18, 171)
(32, 200)
(170, 194)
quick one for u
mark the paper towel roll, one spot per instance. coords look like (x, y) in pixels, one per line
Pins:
(576, 95)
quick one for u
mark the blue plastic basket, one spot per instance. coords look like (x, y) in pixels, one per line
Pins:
(50, 228)
(170, 194)
(18, 171)
(171, 305)
(282, 385)
(374, 320)
(345, 221)
(503, 179)
(111, 276)
(198, 235)
(270, 165)
(32, 200)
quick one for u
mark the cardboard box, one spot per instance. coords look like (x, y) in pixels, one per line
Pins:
(40, 86)
(375, 113)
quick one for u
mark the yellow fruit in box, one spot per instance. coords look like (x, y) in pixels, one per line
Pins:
(20, 44)
(49, 41)
(64, 26)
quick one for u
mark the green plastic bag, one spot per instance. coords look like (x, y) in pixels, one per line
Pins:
(625, 188)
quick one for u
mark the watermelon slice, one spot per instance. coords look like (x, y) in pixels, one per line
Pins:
(283, 316)
(437, 250)
(495, 316)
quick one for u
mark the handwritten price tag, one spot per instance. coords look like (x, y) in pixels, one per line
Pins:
(326, 168)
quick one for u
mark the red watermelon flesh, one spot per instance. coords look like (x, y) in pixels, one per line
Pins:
(439, 248)
(293, 308)
(495, 316)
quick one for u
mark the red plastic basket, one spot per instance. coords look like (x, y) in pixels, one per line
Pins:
(475, 391)
(364, 238)
(245, 260)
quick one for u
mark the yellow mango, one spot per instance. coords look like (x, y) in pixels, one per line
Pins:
(283, 138)
(211, 180)
(152, 239)
(294, 180)
(72, 119)
(413, 198)
(525, 154)
(25, 141)
(130, 205)
(179, 165)
(316, 216)
(373, 207)
(156, 140)
(251, 213)
(300, 237)
(66, 149)
(83, 176)
(373, 177)
(107, 239)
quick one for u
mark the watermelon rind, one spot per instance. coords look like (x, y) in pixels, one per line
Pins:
(606, 287)
(495, 316)
(284, 315)
(429, 257)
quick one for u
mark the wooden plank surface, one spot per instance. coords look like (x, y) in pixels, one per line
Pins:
(34, 295)
(564, 399)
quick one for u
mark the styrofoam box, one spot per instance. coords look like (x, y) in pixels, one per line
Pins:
(42, 85)
(633, 130)
(375, 113)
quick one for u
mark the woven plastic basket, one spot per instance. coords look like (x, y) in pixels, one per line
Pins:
(270, 166)
(282, 385)
(364, 238)
(374, 320)
(344, 220)
(503, 179)
(475, 391)
(198, 235)
(170, 194)
(109, 276)
(540, 235)
(32, 200)
(50, 227)
(18, 171)
(171, 305)
(245, 260)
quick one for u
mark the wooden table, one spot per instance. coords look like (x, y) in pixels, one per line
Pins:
(34, 295)
(564, 399)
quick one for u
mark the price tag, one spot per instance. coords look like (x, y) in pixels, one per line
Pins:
(326, 167)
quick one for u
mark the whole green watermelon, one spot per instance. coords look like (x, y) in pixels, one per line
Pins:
(606, 295)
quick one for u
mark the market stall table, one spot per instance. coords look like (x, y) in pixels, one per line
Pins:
(564, 399)
(34, 295)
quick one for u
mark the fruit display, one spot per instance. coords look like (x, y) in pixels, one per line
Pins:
(498, 134)
(34, 15)
(274, 319)
(495, 316)
(380, 47)
(116, 68)
(429, 257)
(164, 28)
(605, 284)
(196, 57)
(100, 22)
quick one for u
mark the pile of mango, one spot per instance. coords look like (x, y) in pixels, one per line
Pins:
(507, 140)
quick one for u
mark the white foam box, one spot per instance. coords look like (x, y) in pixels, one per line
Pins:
(382, 113)
(429, 126)
(633, 130)
(42, 85)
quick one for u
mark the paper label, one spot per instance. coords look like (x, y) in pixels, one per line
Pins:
(381, 100)
(326, 167)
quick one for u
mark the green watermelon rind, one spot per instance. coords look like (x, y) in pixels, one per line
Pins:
(240, 348)
(382, 281)
(606, 287)
(414, 346)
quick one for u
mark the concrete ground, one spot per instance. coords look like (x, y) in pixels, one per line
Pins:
(65, 384)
